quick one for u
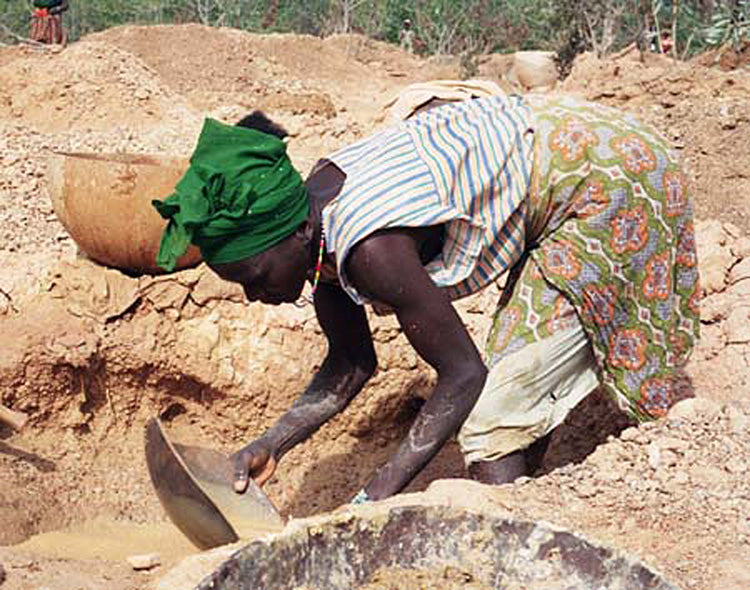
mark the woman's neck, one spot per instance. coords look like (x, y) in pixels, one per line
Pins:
(323, 186)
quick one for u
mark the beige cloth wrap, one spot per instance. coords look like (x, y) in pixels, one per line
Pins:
(414, 96)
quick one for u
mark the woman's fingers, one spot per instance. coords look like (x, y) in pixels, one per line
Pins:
(256, 463)
(265, 474)
(241, 471)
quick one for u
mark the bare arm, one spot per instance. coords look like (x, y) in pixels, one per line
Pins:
(348, 365)
(386, 267)
(350, 362)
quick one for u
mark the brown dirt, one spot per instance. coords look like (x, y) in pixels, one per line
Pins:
(447, 578)
(91, 354)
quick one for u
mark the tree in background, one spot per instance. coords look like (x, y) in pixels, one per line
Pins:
(458, 27)
(730, 24)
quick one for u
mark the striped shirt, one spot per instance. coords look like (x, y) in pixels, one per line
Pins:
(465, 165)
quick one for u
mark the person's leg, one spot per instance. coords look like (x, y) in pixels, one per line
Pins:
(514, 465)
(534, 454)
(47, 31)
(56, 29)
(35, 34)
(504, 470)
(528, 393)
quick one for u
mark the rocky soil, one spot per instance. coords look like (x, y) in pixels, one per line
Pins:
(91, 353)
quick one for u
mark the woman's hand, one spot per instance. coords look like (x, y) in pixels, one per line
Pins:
(256, 460)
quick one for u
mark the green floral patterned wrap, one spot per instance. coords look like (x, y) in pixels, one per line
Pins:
(610, 225)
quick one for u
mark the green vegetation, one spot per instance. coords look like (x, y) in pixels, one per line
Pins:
(463, 27)
(730, 24)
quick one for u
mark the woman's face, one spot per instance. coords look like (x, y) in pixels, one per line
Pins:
(275, 276)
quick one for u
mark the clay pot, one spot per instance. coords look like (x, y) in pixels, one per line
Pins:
(534, 69)
(104, 202)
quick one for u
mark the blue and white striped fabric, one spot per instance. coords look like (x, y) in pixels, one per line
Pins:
(466, 165)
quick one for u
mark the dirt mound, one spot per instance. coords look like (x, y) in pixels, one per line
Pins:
(90, 86)
(727, 58)
(673, 491)
(319, 99)
(247, 67)
(702, 110)
(323, 91)
(31, 236)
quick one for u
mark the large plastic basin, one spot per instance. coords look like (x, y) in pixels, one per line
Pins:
(343, 552)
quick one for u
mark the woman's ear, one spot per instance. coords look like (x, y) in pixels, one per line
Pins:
(305, 231)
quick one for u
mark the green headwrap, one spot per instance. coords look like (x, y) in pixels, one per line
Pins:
(240, 196)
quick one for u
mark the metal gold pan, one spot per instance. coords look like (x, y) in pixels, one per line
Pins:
(194, 485)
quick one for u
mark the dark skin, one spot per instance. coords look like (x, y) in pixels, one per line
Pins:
(425, 314)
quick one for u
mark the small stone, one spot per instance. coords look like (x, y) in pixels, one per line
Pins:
(694, 409)
(23, 563)
(668, 458)
(585, 490)
(2, 573)
(654, 456)
(672, 443)
(740, 271)
(631, 434)
(741, 248)
(714, 308)
(144, 562)
(735, 466)
(714, 258)
(737, 326)
(739, 422)
(609, 475)
(732, 229)
(681, 478)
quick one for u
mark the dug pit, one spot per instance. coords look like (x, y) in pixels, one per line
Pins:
(98, 353)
